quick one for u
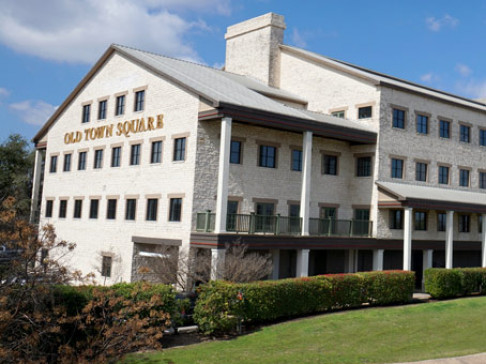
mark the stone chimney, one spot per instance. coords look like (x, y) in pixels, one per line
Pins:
(252, 47)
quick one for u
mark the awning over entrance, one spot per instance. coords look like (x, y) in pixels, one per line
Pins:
(396, 195)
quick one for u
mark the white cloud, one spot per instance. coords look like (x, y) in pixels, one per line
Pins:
(4, 92)
(463, 70)
(429, 77)
(298, 38)
(475, 89)
(436, 24)
(79, 31)
(34, 112)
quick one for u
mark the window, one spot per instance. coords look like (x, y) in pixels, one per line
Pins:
(328, 213)
(482, 137)
(67, 163)
(422, 124)
(232, 218)
(49, 204)
(53, 166)
(362, 214)
(296, 160)
(93, 209)
(156, 152)
(364, 112)
(464, 177)
(396, 219)
(106, 266)
(135, 155)
(265, 208)
(397, 168)
(235, 152)
(464, 223)
(102, 110)
(131, 209)
(339, 114)
(464, 133)
(152, 209)
(363, 167)
(420, 220)
(482, 180)
(268, 156)
(120, 105)
(139, 100)
(175, 209)
(62, 208)
(98, 160)
(82, 161)
(441, 221)
(398, 118)
(421, 172)
(86, 112)
(330, 165)
(115, 156)
(179, 149)
(444, 129)
(111, 210)
(443, 175)
(294, 210)
(78, 205)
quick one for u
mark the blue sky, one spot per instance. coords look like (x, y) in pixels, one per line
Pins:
(46, 47)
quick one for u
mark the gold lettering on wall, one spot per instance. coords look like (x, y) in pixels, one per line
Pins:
(126, 128)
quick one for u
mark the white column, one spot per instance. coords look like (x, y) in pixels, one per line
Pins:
(449, 239)
(351, 263)
(217, 263)
(223, 175)
(36, 185)
(407, 238)
(426, 262)
(306, 181)
(276, 264)
(303, 262)
(483, 241)
(378, 259)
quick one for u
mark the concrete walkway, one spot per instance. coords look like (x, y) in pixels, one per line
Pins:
(468, 359)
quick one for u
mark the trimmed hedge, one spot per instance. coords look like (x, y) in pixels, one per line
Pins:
(222, 305)
(443, 283)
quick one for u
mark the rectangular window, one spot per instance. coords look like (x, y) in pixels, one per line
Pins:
(422, 124)
(98, 159)
(464, 177)
(78, 206)
(465, 133)
(93, 209)
(139, 100)
(62, 208)
(444, 129)
(175, 209)
(464, 223)
(106, 266)
(131, 209)
(265, 209)
(328, 213)
(49, 205)
(330, 165)
(482, 137)
(179, 149)
(135, 155)
(364, 112)
(82, 161)
(443, 175)
(420, 220)
(235, 152)
(115, 156)
(421, 172)
(120, 105)
(156, 152)
(441, 221)
(86, 112)
(268, 156)
(53, 166)
(398, 118)
(102, 110)
(152, 209)
(397, 168)
(363, 167)
(339, 114)
(111, 209)
(482, 180)
(396, 219)
(296, 160)
(67, 163)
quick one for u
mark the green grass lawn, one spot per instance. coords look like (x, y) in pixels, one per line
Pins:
(374, 335)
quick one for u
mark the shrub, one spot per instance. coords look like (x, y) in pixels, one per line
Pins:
(448, 283)
(388, 287)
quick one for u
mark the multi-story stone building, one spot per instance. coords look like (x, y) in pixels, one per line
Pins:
(330, 166)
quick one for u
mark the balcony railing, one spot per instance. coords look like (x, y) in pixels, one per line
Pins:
(284, 225)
